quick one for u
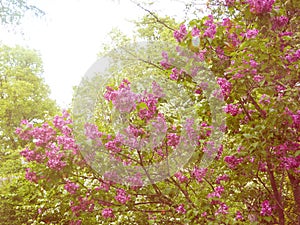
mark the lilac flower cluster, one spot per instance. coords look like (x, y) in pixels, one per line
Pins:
(71, 187)
(199, 173)
(180, 209)
(261, 6)
(233, 161)
(217, 192)
(122, 196)
(151, 102)
(266, 209)
(32, 155)
(250, 33)
(173, 139)
(31, 176)
(211, 30)
(231, 109)
(84, 205)
(175, 73)
(181, 33)
(225, 87)
(165, 63)
(108, 213)
(181, 178)
(279, 22)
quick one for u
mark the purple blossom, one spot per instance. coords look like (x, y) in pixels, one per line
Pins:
(125, 100)
(224, 177)
(223, 209)
(31, 176)
(199, 173)
(279, 22)
(250, 33)
(239, 216)
(108, 213)
(173, 139)
(231, 109)
(181, 177)
(266, 209)
(225, 86)
(258, 78)
(71, 187)
(261, 6)
(232, 161)
(175, 73)
(122, 196)
(195, 31)
(217, 192)
(181, 33)
(181, 209)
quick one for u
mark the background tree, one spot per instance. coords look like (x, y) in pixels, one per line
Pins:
(12, 11)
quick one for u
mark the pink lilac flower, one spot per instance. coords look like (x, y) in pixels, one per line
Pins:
(211, 28)
(266, 209)
(181, 33)
(261, 6)
(114, 145)
(204, 214)
(258, 78)
(200, 56)
(225, 86)
(71, 187)
(151, 102)
(226, 22)
(173, 139)
(60, 121)
(181, 209)
(239, 216)
(220, 53)
(291, 163)
(234, 40)
(157, 90)
(68, 143)
(91, 131)
(110, 94)
(181, 177)
(125, 100)
(195, 31)
(232, 161)
(108, 213)
(231, 109)
(224, 177)
(279, 22)
(135, 181)
(293, 56)
(31, 176)
(165, 62)
(264, 99)
(262, 166)
(32, 155)
(223, 209)
(199, 173)
(84, 205)
(250, 33)
(55, 158)
(175, 73)
(122, 196)
(253, 63)
(217, 192)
